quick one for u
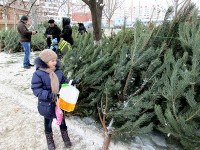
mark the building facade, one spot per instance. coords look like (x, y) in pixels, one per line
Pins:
(13, 16)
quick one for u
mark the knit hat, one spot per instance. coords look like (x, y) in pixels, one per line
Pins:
(24, 17)
(51, 21)
(47, 55)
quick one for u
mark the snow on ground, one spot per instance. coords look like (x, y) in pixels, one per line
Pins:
(21, 126)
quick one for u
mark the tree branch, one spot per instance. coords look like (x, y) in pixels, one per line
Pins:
(198, 111)
(87, 2)
(31, 6)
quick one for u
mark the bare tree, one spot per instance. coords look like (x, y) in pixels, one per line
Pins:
(33, 11)
(5, 15)
(96, 8)
(110, 7)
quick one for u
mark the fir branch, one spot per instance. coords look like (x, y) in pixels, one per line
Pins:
(176, 16)
(174, 111)
(103, 123)
(140, 89)
(126, 85)
(138, 101)
(104, 113)
(198, 111)
(165, 96)
(144, 83)
(182, 16)
(151, 32)
(143, 112)
(151, 16)
(132, 62)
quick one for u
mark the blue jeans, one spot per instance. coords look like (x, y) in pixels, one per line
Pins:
(26, 46)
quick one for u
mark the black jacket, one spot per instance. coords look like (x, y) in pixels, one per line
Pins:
(81, 28)
(67, 31)
(54, 31)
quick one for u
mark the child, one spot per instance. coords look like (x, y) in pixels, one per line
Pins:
(46, 82)
(54, 45)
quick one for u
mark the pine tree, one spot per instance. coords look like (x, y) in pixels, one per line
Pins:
(180, 89)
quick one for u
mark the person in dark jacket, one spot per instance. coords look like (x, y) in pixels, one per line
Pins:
(67, 31)
(81, 28)
(52, 31)
(25, 39)
(46, 82)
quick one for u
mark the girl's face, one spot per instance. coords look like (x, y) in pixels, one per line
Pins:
(52, 63)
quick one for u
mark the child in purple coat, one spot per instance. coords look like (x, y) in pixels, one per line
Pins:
(46, 82)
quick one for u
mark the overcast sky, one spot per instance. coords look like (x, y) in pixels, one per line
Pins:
(163, 3)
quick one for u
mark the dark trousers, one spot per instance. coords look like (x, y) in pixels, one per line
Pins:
(49, 42)
(48, 125)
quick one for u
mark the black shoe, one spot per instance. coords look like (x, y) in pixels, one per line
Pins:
(30, 65)
(27, 67)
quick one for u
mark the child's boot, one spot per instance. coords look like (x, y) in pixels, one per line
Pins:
(65, 137)
(50, 141)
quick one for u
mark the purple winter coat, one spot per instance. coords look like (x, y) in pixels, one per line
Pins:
(41, 86)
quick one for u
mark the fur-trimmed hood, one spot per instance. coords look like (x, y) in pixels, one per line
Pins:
(41, 64)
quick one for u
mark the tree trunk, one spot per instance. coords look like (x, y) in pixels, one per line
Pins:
(107, 141)
(5, 15)
(96, 22)
(96, 9)
(34, 15)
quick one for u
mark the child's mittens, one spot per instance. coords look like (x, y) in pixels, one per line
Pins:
(54, 97)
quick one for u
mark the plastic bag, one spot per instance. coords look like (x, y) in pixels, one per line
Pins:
(59, 113)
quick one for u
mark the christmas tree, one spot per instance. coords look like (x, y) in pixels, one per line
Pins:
(136, 82)
(179, 110)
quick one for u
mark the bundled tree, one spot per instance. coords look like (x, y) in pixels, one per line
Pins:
(10, 41)
(180, 110)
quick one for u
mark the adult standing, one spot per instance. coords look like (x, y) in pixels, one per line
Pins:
(25, 39)
(67, 31)
(81, 28)
(52, 31)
